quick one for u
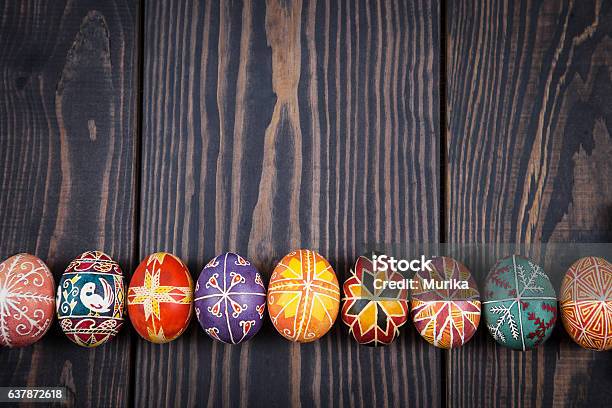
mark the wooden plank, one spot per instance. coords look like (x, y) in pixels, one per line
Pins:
(528, 101)
(68, 90)
(285, 124)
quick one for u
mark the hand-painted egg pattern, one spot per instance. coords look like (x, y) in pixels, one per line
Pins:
(586, 303)
(446, 315)
(520, 305)
(303, 296)
(230, 299)
(27, 300)
(373, 314)
(90, 299)
(160, 298)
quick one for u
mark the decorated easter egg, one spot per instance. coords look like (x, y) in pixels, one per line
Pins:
(26, 300)
(586, 303)
(373, 312)
(230, 299)
(160, 297)
(90, 299)
(445, 304)
(303, 296)
(520, 305)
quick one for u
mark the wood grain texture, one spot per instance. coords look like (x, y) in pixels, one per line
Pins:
(285, 124)
(67, 132)
(529, 91)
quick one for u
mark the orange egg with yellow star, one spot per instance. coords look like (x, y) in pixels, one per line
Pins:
(303, 296)
(160, 298)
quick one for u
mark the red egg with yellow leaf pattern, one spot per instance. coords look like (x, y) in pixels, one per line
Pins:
(160, 298)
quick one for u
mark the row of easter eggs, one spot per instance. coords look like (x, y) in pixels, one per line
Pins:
(303, 298)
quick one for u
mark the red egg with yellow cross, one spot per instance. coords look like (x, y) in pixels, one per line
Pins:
(160, 298)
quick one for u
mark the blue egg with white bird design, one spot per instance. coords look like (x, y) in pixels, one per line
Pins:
(91, 299)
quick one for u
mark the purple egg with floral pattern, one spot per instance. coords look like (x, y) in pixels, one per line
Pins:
(230, 299)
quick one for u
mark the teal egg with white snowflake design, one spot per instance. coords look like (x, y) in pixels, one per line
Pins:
(520, 304)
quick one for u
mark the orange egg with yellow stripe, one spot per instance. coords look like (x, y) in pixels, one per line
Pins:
(303, 296)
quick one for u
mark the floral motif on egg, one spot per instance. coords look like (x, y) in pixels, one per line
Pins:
(586, 303)
(520, 306)
(447, 314)
(230, 299)
(26, 300)
(90, 299)
(373, 314)
(303, 296)
(160, 298)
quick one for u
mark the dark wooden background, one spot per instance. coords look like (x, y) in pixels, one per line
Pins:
(198, 127)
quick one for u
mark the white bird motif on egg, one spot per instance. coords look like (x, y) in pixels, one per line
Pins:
(94, 302)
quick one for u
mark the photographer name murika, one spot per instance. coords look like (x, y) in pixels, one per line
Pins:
(428, 284)
(381, 262)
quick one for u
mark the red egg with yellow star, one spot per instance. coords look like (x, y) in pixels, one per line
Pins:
(160, 298)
